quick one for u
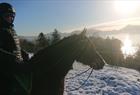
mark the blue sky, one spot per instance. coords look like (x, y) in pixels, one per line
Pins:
(35, 16)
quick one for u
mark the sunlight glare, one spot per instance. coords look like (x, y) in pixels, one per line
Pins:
(128, 49)
(126, 7)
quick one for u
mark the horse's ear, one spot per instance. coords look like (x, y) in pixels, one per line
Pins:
(84, 32)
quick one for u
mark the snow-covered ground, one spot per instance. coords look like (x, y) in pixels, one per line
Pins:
(108, 81)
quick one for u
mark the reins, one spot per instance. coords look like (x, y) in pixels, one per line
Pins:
(82, 83)
(79, 74)
(6, 52)
(77, 88)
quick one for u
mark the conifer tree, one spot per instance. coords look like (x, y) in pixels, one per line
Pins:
(55, 36)
(41, 41)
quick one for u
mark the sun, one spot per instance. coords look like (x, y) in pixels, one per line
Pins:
(126, 7)
(128, 49)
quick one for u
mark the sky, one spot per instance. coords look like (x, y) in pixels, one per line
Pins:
(35, 16)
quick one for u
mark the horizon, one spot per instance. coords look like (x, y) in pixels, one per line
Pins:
(33, 17)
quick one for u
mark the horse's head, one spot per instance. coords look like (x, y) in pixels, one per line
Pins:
(88, 54)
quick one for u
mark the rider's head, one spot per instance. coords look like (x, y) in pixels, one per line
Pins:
(7, 14)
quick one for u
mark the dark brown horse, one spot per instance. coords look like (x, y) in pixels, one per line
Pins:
(51, 64)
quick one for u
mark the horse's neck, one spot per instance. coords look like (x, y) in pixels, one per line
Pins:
(60, 56)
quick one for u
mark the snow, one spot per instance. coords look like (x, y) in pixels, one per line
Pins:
(108, 81)
(30, 55)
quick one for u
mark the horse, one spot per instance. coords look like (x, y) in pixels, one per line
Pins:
(51, 64)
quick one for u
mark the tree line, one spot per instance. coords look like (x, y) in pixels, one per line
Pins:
(41, 42)
(110, 49)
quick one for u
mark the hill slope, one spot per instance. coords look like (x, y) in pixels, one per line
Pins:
(108, 81)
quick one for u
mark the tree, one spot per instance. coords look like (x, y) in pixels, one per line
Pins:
(41, 41)
(55, 36)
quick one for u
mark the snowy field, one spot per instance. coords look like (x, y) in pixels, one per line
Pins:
(108, 81)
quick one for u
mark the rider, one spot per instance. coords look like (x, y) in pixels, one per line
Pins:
(9, 43)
